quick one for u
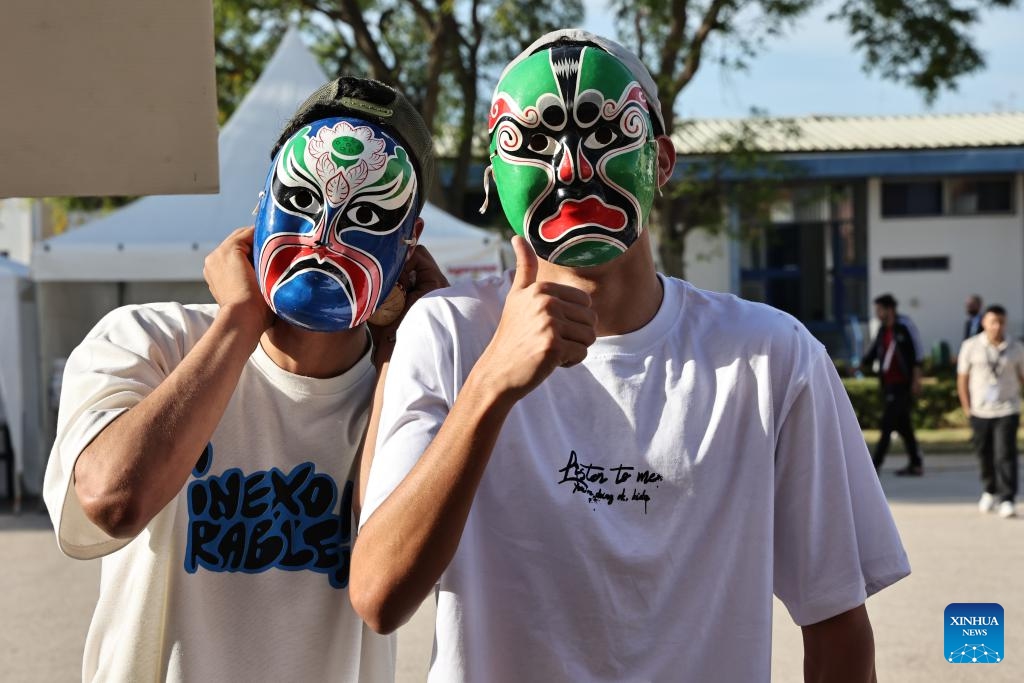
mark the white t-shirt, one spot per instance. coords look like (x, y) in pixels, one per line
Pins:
(639, 509)
(243, 576)
(993, 375)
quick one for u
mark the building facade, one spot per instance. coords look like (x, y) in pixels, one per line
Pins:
(930, 209)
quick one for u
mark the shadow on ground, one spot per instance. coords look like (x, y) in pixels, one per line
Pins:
(31, 517)
(948, 479)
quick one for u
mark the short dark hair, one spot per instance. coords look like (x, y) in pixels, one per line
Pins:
(997, 309)
(886, 301)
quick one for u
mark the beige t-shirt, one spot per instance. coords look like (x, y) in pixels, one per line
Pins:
(244, 575)
(993, 375)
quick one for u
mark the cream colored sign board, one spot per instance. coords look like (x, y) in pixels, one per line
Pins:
(107, 97)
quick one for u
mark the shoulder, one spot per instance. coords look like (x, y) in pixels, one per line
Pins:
(784, 356)
(465, 302)
(905, 327)
(971, 342)
(740, 324)
(157, 317)
(148, 329)
(905, 334)
(905, 319)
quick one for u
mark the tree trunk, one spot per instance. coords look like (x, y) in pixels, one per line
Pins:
(671, 242)
(439, 46)
(460, 177)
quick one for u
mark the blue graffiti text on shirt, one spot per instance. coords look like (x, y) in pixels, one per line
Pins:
(270, 519)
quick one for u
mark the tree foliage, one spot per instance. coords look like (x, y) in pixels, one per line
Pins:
(926, 45)
(442, 54)
(245, 37)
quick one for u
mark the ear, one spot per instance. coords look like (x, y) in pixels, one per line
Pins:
(666, 159)
(417, 230)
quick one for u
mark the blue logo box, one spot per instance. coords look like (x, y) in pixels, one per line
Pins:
(974, 633)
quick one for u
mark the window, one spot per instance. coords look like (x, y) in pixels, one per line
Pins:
(919, 198)
(968, 196)
(810, 260)
(959, 196)
(910, 263)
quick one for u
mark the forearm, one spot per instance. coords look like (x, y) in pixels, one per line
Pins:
(840, 649)
(135, 466)
(964, 393)
(410, 539)
(370, 438)
(868, 359)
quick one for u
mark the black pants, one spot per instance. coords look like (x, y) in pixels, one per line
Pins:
(995, 442)
(898, 403)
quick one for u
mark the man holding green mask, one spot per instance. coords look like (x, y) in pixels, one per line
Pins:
(606, 472)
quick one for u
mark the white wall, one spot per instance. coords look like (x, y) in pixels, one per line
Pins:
(986, 256)
(706, 261)
(16, 229)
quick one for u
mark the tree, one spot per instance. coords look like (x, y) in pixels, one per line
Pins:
(925, 44)
(438, 52)
(245, 36)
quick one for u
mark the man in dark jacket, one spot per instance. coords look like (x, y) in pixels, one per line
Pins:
(899, 374)
(972, 307)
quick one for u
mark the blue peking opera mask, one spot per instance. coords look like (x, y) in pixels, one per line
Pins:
(334, 223)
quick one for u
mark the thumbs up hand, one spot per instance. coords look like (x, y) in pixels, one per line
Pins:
(544, 325)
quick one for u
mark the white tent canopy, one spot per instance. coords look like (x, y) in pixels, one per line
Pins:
(12, 277)
(167, 237)
(16, 408)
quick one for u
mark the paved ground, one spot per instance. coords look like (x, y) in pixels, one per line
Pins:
(958, 555)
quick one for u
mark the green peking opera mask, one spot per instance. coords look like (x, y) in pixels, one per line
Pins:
(573, 154)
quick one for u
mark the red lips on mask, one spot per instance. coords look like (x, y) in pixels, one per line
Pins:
(573, 214)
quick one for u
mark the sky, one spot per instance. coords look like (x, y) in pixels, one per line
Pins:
(814, 70)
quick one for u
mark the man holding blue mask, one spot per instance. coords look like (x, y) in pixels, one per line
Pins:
(605, 473)
(208, 452)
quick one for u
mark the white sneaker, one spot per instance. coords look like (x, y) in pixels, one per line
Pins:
(987, 502)
(1006, 509)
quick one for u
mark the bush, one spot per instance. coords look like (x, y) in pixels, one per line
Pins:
(936, 407)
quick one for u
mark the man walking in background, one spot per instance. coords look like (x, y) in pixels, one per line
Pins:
(899, 374)
(972, 307)
(990, 370)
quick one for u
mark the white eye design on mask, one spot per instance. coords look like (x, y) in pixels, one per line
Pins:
(303, 200)
(363, 216)
(600, 138)
(542, 144)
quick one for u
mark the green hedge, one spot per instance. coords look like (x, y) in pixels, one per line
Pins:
(936, 407)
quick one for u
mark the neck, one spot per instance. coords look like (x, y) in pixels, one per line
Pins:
(995, 339)
(625, 293)
(313, 354)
